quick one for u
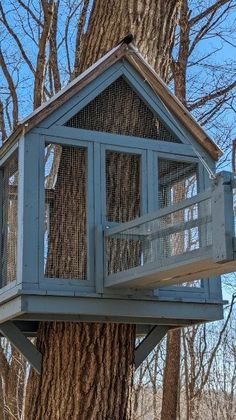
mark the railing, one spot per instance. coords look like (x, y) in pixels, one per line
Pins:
(171, 244)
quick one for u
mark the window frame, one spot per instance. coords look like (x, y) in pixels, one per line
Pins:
(62, 283)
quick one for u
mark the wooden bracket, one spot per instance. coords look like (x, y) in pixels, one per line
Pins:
(22, 344)
(149, 343)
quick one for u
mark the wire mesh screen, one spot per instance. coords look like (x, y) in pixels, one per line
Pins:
(122, 186)
(122, 204)
(177, 182)
(9, 220)
(65, 238)
(119, 110)
(164, 238)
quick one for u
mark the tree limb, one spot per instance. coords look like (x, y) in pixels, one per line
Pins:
(2, 122)
(12, 89)
(53, 60)
(210, 96)
(30, 12)
(48, 10)
(207, 11)
(79, 37)
(15, 37)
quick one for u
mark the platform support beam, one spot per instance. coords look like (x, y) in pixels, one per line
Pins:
(148, 344)
(22, 344)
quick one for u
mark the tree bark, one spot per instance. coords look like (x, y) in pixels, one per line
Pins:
(170, 400)
(152, 22)
(87, 368)
(39, 82)
(171, 377)
(87, 372)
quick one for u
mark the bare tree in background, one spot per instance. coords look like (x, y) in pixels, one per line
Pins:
(193, 29)
(46, 43)
(201, 344)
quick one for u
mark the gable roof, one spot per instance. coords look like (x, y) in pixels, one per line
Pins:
(132, 55)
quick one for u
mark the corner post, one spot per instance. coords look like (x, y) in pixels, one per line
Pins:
(1, 223)
(99, 258)
(28, 211)
(222, 218)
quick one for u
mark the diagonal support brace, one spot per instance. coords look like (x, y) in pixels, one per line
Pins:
(22, 344)
(149, 343)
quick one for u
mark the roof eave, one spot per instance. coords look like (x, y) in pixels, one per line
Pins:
(133, 56)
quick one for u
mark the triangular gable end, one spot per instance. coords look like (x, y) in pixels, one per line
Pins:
(118, 109)
(163, 112)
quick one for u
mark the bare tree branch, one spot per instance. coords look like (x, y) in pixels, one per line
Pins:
(67, 26)
(53, 60)
(79, 37)
(211, 358)
(48, 10)
(3, 19)
(210, 96)
(30, 12)
(208, 11)
(12, 89)
(205, 29)
(2, 122)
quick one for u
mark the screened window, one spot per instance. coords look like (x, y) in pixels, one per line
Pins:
(9, 220)
(65, 237)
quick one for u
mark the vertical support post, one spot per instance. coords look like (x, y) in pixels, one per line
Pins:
(99, 199)
(1, 223)
(90, 210)
(41, 206)
(222, 218)
(152, 192)
(99, 260)
(203, 230)
(28, 211)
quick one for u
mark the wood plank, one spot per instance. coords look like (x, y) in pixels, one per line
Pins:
(22, 344)
(28, 210)
(151, 234)
(184, 268)
(222, 218)
(159, 213)
(148, 344)
(68, 134)
(137, 310)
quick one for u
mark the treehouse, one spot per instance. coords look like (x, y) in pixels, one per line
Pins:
(110, 209)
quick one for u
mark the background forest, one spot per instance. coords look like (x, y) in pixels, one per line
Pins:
(192, 44)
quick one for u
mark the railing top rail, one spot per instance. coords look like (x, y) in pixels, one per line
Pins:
(159, 213)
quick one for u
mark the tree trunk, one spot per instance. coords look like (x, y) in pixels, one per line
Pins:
(171, 377)
(172, 367)
(87, 368)
(87, 372)
(152, 22)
